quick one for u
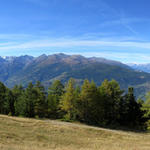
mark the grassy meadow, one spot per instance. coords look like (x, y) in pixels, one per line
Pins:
(31, 134)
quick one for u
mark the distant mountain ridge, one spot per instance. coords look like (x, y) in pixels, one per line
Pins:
(140, 67)
(47, 68)
(63, 57)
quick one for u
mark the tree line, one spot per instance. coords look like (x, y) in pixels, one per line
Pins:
(104, 105)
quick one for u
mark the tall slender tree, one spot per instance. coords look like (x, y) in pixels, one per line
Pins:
(40, 100)
(29, 97)
(55, 92)
(19, 104)
(88, 97)
(9, 103)
(3, 90)
(111, 95)
(68, 101)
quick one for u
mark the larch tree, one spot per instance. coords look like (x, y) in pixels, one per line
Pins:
(68, 100)
(55, 91)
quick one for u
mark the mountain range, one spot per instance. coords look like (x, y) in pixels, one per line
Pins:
(47, 68)
(140, 67)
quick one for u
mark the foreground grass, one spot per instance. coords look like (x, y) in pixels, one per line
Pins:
(30, 134)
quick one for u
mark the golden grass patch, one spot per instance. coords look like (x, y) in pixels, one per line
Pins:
(31, 134)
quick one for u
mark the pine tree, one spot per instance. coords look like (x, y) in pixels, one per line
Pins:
(2, 97)
(55, 92)
(19, 104)
(134, 114)
(57, 88)
(68, 101)
(40, 100)
(111, 95)
(9, 103)
(88, 98)
(29, 98)
(146, 104)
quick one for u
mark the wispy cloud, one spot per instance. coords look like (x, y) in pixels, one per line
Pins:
(120, 18)
(69, 43)
(15, 36)
(6, 44)
(93, 47)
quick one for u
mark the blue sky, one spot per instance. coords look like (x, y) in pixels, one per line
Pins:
(114, 29)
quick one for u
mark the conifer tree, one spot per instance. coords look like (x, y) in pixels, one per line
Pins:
(146, 104)
(9, 103)
(68, 101)
(30, 96)
(19, 104)
(57, 88)
(40, 100)
(134, 114)
(111, 95)
(88, 97)
(3, 90)
(55, 92)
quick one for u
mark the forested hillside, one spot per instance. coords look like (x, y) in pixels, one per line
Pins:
(105, 105)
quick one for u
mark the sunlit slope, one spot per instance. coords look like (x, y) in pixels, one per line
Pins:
(30, 134)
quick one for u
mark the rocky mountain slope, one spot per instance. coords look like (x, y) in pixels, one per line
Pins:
(25, 69)
(141, 67)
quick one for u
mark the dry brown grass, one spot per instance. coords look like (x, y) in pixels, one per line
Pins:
(30, 134)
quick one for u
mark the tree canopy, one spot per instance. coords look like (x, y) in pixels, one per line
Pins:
(104, 105)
